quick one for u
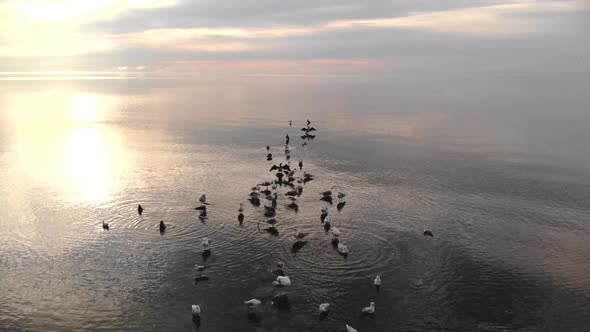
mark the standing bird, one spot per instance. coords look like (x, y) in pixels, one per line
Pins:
(206, 242)
(282, 281)
(105, 226)
(241, 208)
(290, 123)
(241, 218)
(269, 157)
(196, 309)
(341, 196)
(162, 226)
(300, 164)
(139, 209)
(324, 307)
(203, 199)
(267, 147)
(377, 282)
(335, 231)
(427, 232)
(287, 139)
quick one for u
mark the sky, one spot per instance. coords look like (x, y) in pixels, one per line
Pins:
(296, 37)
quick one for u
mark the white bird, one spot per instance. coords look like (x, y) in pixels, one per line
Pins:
(196, 309)
(370, 309)
(282, 281)
(203, 198)
(206, 242)
(256, 187)
(342, 249)
(378, 280)
(335, 231)
(241, 209)
(252, 303)
(297, 234)
(324, 209)
(324, 307)
(272, 197)
(326, 220)
(350, 329)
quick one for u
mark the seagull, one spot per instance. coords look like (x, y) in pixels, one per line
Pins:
(298, 234)
(324, 307)
(335, 231)
(196, 309)
(350, 329)
(328, 192)
(203, 199)
(139, 209)
(200, 268)
(370, 309)
(377, 281)
(206, 242)
(241, 209)
(427, 232)
(282, 281)
(252, 303)
(255, 193)
(105, 226)
(342, 249)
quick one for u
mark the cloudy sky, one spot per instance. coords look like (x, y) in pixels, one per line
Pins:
(303, 36)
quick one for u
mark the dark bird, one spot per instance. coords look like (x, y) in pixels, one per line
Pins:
(308, 122)
(267, 147)
(311, 129)
(162, 227)
(327, 226)
(287, 139)
(427, 232)
(105, 226)
(241, 218)
(269, 157)
(271, 221)
(269, 208)
(201, 208)
(275, 167)
(340, 206)
(290, 123)
(139, 209)
(300, 164)
(291, 193)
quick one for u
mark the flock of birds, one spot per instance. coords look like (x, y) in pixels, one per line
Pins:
(285, 176)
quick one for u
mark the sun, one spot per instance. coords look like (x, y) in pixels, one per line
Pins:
(83, 108)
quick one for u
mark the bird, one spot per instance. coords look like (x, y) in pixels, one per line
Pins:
(241, 218)
(350, 329)
(324, 307)
(200, 268)
(427, 232)
(308, 122)
(282, 281)
(241, 208)
(203, 199)
(335, 231)
(300, 164)
(269, 157)
(162, 226)
(327, 226)
(252, 303)
(297, 234)
(280, 265)
(139, 209)
(206, 242)
(287, 139)
(342, 249)
(328, 192)
(105, 226)
(377, 281)
(271, 221)
(290, 123)
(196, 309)
(324, 209)
(267, 148)
(341, 195)
(370, 309)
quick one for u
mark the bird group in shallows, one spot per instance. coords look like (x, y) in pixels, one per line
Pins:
(266, 193)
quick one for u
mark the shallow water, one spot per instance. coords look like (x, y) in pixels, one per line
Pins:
(503, 186)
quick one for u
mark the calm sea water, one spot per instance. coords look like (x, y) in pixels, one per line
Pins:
(500, 172)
